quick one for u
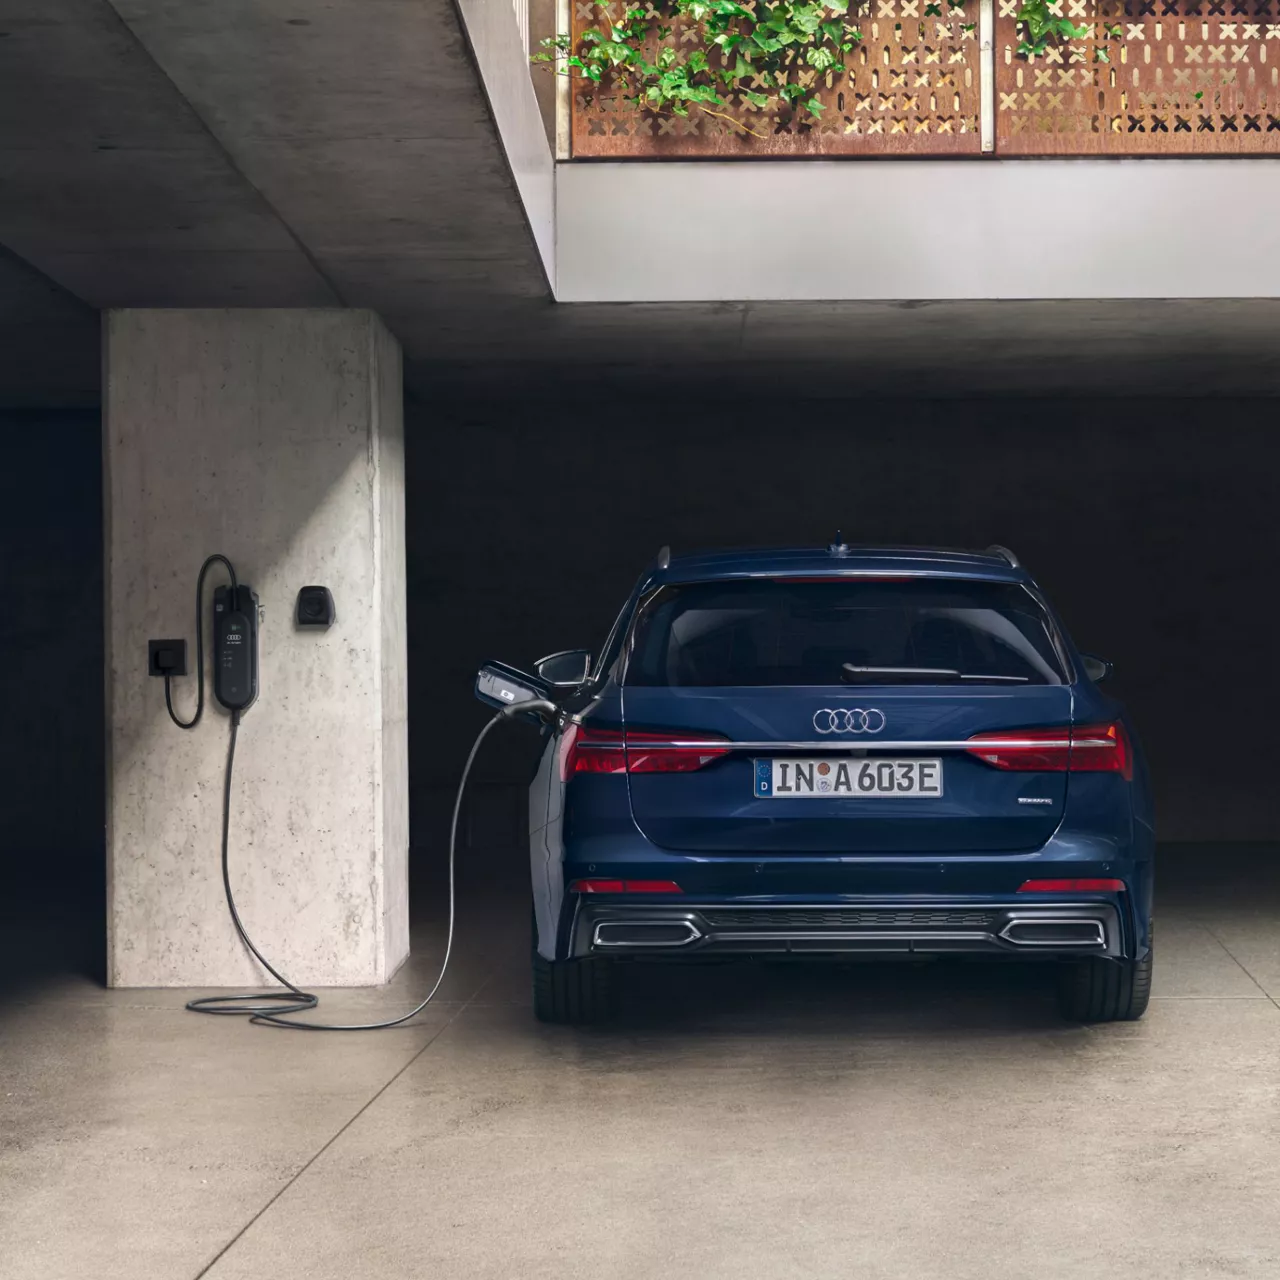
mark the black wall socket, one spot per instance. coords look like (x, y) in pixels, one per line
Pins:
(167, 657)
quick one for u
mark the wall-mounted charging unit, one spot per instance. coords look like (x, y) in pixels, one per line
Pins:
(235, 647)
(235, 685)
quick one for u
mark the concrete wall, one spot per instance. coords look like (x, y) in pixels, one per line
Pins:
(502, 58)
(905, 229)
(275, 438)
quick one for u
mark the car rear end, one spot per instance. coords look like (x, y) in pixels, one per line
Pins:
(878, 754)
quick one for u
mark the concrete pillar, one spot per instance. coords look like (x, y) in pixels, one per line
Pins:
(276, 438)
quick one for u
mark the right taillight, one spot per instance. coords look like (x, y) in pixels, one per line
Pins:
(1092, 748)
(587, 750)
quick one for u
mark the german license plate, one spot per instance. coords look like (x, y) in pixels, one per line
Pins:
(871, 778)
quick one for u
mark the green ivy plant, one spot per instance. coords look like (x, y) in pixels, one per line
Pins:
(1037, 27)
(759, 55)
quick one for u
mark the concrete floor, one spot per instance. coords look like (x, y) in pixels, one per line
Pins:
(867, 1122)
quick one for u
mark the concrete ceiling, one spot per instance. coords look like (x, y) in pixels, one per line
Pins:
(341, 152)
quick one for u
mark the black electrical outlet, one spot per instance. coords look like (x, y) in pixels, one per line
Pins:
(167, 657)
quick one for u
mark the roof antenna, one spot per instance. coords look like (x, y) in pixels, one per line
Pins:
(839, 547)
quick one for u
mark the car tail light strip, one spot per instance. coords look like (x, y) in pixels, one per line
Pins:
(1099, 748)
(586, 750)
(1095, 748)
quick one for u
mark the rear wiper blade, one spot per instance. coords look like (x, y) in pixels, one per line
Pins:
(882, 675)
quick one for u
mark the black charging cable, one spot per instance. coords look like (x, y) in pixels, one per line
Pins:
(264, 1009)
(249, 1005)
(168, 692)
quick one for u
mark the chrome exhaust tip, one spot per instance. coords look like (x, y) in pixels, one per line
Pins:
(1039, 932)
(645, 933)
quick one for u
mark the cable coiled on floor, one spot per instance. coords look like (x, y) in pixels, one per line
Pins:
(278, 1013)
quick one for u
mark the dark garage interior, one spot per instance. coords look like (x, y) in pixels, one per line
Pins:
(1147, 521)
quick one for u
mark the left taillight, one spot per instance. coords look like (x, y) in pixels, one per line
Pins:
(587, 750)
(584, 750)
(1091, 748)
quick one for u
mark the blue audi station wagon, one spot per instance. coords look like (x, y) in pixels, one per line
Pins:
(840, 752)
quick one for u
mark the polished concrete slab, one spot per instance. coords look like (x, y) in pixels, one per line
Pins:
(874, 1121)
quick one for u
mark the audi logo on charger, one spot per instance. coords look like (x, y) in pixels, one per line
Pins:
(848, 720)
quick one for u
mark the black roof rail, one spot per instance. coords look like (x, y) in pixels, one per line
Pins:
(995, 549)
(664, 558)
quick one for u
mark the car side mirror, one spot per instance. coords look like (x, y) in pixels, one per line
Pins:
(1095, 668)
(565, 670)
(499, 685)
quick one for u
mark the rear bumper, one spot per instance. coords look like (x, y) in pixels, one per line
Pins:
(1030, 930)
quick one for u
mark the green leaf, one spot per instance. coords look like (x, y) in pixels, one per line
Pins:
(805, 20)
(815, 107)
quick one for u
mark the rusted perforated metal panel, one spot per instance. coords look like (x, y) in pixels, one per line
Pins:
(1154, 77)
(910, 88)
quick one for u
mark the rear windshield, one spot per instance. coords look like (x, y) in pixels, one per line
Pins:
(780, 632)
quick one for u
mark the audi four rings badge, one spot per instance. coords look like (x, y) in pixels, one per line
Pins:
(848, 720)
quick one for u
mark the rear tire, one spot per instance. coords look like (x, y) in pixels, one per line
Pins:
(1100, 990)
(571, 991)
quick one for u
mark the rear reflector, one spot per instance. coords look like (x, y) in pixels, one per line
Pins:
(1094, 748)
(1072, 886)
(586, 750)
(624, 886)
